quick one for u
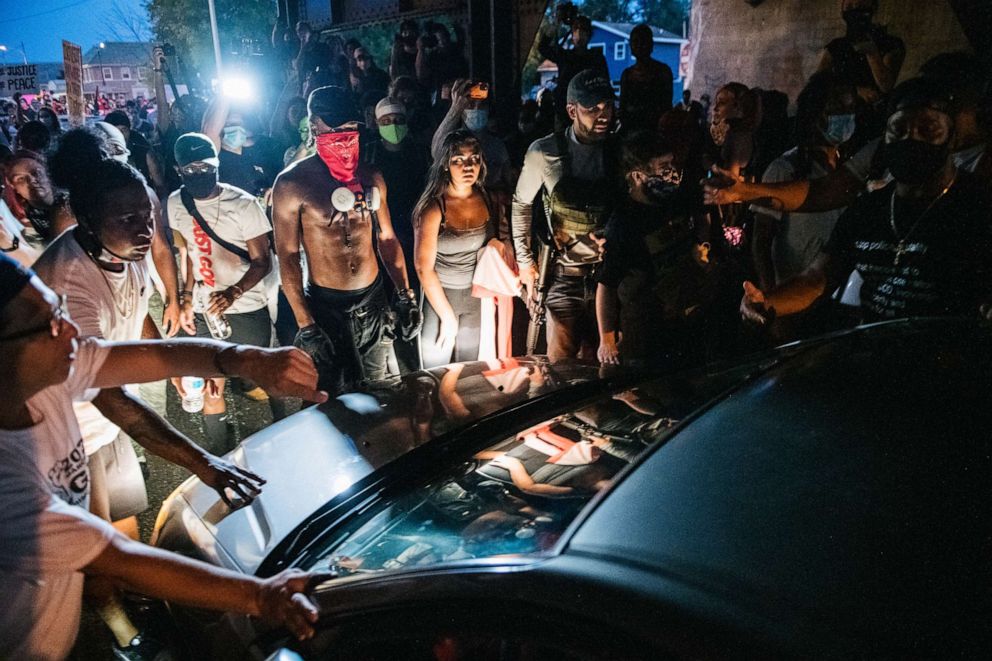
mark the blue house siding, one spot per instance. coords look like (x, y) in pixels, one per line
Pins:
(616, 49)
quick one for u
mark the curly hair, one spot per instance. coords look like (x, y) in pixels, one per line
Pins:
(81, 164)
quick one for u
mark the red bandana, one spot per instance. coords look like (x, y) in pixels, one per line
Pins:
(339, 151)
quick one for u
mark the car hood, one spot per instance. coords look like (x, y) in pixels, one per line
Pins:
(309, 458)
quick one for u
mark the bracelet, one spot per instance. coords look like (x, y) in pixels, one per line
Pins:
(240, 292)
(407, 293)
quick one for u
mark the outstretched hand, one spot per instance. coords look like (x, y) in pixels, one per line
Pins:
(460, 93)
(722, 187)
(282, 372)
(221, 475)
(281, 600)
(754, 306)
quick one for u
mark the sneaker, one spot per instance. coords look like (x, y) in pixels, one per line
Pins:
(143, 648)
(256, 394)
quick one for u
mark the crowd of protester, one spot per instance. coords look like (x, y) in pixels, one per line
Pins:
(377, 212)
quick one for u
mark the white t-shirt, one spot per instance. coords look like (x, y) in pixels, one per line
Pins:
(45, 541)
(799, 236)
(236, 217)
(56, 440)
(104, 304)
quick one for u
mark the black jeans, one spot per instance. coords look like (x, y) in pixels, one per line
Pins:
(360, 326)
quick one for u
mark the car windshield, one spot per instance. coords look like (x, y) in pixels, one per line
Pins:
(517, 496)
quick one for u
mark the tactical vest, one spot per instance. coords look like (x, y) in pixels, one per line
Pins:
(575, 208)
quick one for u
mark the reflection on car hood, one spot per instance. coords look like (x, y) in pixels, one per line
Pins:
(312, 456)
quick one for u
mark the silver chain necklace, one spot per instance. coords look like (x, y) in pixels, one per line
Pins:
(901, 245)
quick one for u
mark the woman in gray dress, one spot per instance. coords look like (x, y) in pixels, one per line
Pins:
(452, 220)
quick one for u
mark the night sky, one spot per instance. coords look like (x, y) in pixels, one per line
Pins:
(43, 24)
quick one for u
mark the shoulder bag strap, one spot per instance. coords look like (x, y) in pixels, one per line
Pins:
(191, 209)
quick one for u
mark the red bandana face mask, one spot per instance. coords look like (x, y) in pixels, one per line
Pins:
(339, 151)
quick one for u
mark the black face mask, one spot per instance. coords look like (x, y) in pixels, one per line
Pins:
(858, 21)
(913, 162)
(200, 185)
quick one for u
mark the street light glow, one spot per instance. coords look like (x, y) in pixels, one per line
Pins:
(238, 88)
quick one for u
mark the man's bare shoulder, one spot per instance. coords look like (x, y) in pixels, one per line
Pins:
(301, 171)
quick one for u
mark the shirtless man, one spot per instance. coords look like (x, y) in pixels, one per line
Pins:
(328, 204)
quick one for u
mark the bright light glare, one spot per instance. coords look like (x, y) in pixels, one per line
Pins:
(240, 89)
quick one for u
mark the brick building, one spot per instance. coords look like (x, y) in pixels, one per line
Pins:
(121, 70)
(777, 44)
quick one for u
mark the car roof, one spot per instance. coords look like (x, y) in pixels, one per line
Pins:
(847, 488)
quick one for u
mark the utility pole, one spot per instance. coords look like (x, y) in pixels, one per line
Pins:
(213, 32)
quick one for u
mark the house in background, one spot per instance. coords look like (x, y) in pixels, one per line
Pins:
(613, 39)
(121, 70)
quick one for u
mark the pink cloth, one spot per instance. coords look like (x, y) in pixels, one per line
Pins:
(496, 284)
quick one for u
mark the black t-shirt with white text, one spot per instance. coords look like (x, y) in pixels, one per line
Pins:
(944, 269)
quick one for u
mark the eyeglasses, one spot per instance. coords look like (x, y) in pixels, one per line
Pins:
(201, 168)
(55, 326)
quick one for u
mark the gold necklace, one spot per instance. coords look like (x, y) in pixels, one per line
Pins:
(901, 245)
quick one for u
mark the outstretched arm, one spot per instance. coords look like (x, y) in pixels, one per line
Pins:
(163, 440)
(838, 189)
(794, 295)
(453, 118)
(215, 118)
(283, 372)
(171, 577)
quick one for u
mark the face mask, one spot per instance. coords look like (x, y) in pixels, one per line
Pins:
(718, 131)
(475, 119)
(339, 152)
(200, 185)
(661, 188)
(234, 137)
(914, 162)
(839, 129)
(857, 18)
(393, 133)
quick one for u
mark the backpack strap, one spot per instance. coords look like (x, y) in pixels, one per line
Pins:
(191, 209)
(561, 139)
